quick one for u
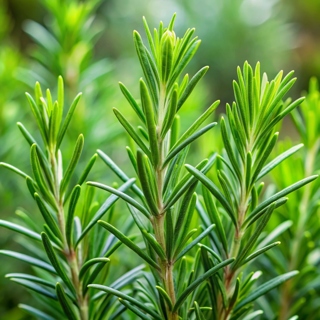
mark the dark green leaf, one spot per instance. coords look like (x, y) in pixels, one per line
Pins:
(71, 211)
(128, 127)
(67, 120)
(199, 281)
(65, 303)
(55, 261)
(123, 296)
(132, 102)
(73, 163)
(90, 263)
(214, 190)
(103, 209)
(186, 142)
(33, 261)
(264, 288)
(126, 241)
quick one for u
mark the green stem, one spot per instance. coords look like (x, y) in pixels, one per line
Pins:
(159, 220)
(69, 252)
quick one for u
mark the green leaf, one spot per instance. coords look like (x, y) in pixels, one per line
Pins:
(128, 127)
(192, 129)
(194, 242)
(264, 288)
(186, 142)
(87, 169)
(38, 176)
(135, 310)
(213, 212)
(191, 85)
(37, 116)
(281, 115)
(275, 233)
(264, 156)
(149, 36)
(243, 254)
(33, 261)
(154, 244)
(175, 129)
(147, 181)
(35, 312)
(65, 303)
(48, 218)
(90, 263)
(54, 124)
(150, 120)
(199, 315)
(166, 55)
(253, 315)
(280, 194)
(226, 142)
(199, 281)
(126, 241)
(260, 251)
(67, 119)
(121, 195)
(272, 164)
(55, 261)
(132, 102)
(147, 70)
(165, 296)
(118, 172)
(73, 163)
(214, 190)
(103, 209)
(14, 169)
(169, 234)
(183, 60)
(170, 113)
(131, 300)
(187, 181)
(22, 230)
(235, 294)
(60, 96)
(72, 207)
(30, 139)
(30, 278)
(35, 287)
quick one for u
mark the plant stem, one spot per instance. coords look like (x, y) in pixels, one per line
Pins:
(159, 220)
(69, 252)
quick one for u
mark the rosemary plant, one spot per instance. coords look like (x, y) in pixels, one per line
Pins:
(249, 136)
(167, 200)
(63, 249)
(206, 271)
(298, 221)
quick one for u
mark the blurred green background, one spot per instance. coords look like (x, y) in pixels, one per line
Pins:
(90, 44)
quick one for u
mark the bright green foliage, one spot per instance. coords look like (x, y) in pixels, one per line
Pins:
(249, 137)
(203, 252)
(65, 45)
(167, 198)
(301, 235)
(63, 245)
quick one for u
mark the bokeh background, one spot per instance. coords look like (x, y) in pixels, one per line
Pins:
(90, 44)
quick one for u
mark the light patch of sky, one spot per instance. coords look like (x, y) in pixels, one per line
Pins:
(256, 12)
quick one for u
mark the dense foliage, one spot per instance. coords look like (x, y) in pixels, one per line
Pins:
(208, 233)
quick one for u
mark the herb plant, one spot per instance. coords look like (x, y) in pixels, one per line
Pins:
(297, 223)
(61, 243)
(200, 246)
